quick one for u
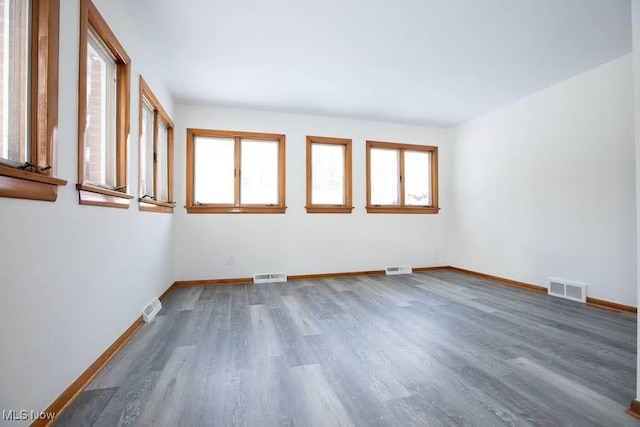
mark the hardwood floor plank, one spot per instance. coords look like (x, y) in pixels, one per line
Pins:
(594, 407)
(305, 323)
(437, 348)
(88, 407)
(167, 397)
(267, 341)
(295, 348)
(182, 298)
(322, 406)
(242, 345)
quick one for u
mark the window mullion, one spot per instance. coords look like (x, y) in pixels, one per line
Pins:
(347, 175)
(402, 177)
(122, 121)
(155, 154)
(237, 171)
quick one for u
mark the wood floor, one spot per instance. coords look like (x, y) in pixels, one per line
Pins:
(433, 349)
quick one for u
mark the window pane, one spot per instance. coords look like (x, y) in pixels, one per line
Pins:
(259, 166)
(146, 150)
(417, 178)
(328, 168)
(14, 75)
(384, 177)
(163, 167)
(100, 140)
(214, 167)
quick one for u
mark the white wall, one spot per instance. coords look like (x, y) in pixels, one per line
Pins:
(297, 242)
(635, 16)
(73, 277)
(544, 187)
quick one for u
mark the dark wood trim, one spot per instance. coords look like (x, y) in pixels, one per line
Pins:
(319, 276)
(31, 176)
(612, 305)
(160, 117)
(634, 409)
(43, 61)
(401, 208)
(96, 196)
(328, 209)
(90, 18)
(17, 188)
(216, 209)
(166, 293)
(215, 282)
(249, 280)
(233, 134)
(150, 205)
(427, 269)
(345, 208)
(192, 205)
(72, 392)
(591, 301)
(105, 191)
(146, 92)
(534, 288)
(44, 82)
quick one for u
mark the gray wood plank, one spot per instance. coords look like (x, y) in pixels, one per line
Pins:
(267, 341)
(438, 348)
(322, 406)
(306, 324)
(87, 408)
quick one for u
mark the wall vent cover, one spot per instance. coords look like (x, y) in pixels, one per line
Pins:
(569, 290)
(269, 277)
(151, 309)
(398, 269)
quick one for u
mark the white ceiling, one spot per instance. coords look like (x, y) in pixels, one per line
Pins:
(436, 62)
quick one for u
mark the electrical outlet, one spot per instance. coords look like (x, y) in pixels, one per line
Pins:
(231, 259)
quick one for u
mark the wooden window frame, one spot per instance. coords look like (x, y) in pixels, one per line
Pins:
(347, 206)
(159, 116)
(193, 207)
(90, 194)
(401, 208)
(35, 180)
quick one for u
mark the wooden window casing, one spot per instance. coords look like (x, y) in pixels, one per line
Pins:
(36, 179)
(401, 207)
(347, 205)
(194, 206)
(91, 194)
(154, 202)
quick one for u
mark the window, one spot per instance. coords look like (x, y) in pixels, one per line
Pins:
(402, 178)
(103, 113)
(29, 32)
(235, 172)
(328, 175)
(156, 154)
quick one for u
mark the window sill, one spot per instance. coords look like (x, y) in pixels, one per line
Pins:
(402, 210)
(96, 196)
(329, 209)
(150, 205)
(20, 184)
(212, 209)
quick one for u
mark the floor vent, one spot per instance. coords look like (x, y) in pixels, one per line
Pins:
(270, 278)
(150, 311)
(399, 269)
(569, 290)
